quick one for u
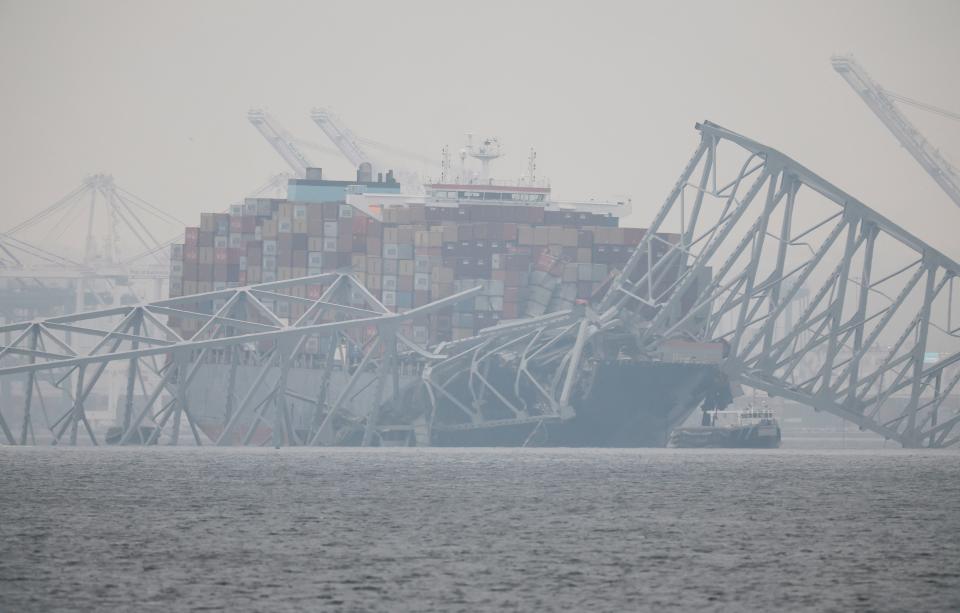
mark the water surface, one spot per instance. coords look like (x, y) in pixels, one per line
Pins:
(446, 529)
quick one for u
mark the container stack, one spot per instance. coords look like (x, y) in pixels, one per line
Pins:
(526, 260)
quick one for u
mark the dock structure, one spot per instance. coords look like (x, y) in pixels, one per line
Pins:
(744, 234)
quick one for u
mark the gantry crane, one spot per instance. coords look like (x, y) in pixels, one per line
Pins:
(342, 137)
(881, 102)
(281, 141)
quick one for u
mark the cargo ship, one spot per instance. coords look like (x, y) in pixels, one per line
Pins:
(530, 253)
(750, 428)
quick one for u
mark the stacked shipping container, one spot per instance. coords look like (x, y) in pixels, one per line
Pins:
(527, 260)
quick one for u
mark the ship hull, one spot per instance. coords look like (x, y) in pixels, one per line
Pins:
(739, 437)
(627, 404)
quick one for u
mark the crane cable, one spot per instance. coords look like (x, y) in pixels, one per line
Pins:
(923, 105)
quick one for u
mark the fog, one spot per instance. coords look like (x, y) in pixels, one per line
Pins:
(514, 407)
(608, 93)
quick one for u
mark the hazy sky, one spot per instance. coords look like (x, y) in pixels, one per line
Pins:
(156, 93)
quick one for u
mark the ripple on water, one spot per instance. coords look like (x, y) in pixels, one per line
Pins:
(442, 529)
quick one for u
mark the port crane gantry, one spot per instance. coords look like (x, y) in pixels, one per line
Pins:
(281, 141)
(341, 136)
(119, 244)
(881, 102)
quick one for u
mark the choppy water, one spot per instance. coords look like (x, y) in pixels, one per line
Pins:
(177, 529)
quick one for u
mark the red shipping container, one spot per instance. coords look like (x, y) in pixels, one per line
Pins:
(191, 237)
(547, 262)
(190, 272)
(358, 225)
(220, 256)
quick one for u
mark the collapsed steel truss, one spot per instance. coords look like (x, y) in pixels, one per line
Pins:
(739, 240)
(236, 325)
(743, 235)
(875, 343)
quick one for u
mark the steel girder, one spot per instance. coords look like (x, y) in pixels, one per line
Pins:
(531, 356)
(875, 343)
(162, 364)
(815, 297)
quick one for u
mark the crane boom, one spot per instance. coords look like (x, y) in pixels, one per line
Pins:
(410, 155)
(280, 140)
(342, 137)
(881, 103)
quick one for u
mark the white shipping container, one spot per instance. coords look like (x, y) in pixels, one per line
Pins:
(584, 272)
(540, 295)
(599, 272)
(535, 309)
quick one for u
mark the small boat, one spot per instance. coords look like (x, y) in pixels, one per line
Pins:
(751, 428)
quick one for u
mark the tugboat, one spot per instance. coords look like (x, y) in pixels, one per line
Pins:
(751, 428)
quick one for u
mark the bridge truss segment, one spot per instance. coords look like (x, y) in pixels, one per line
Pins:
(239, 328)
(812, 296)
(743, 231)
